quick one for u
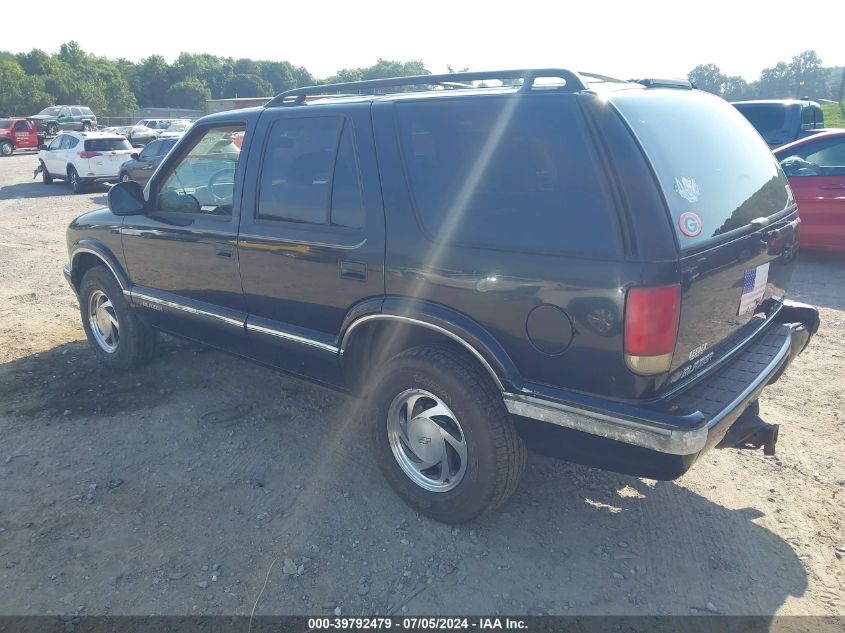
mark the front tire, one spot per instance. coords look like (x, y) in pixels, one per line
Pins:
(6, 148)
(124, 177)
(442, 436)
(46, 178)
(119, 337)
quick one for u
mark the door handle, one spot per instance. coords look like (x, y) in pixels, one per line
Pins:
(832, 187)
(356, 271)
(225, 253)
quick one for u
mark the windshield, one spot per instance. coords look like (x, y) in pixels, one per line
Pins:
(716, 173)
(106, 144)
(51, 111)
(765, 118)
(5, 123)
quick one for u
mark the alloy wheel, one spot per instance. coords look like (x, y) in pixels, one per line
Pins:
(427, 440)
(103, 321)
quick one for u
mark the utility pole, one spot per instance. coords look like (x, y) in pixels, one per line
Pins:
(842, 87)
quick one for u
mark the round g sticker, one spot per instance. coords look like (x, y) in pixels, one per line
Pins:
(690, 224)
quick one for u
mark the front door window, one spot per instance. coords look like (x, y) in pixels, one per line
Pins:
(203, 181)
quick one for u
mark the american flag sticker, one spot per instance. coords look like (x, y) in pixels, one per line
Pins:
(753, 289)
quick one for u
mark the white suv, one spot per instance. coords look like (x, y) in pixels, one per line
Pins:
(82, 158)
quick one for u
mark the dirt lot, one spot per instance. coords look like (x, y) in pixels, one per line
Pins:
(174, 489)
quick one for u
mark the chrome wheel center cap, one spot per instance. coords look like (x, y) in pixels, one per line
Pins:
(426, 440)
(104, 322)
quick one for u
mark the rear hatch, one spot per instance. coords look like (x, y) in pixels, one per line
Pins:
(106, 155)
(733, 216)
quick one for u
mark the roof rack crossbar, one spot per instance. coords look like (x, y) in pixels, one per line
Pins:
(573, 83)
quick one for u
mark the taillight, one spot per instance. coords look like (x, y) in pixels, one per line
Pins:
(651, 328)
(89, 154)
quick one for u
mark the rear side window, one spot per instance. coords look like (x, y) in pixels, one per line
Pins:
(765, 118)
(516, 173)
(86, 111)
(310, 174)
(807, 116)
(716, 173)
(106, 144)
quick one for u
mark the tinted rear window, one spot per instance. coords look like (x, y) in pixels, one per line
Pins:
(709, 161)
(106, 144)
(516, 172)
(766, 118)
(5, 123)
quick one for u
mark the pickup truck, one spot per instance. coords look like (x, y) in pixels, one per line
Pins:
(17, 133)
(781, 121)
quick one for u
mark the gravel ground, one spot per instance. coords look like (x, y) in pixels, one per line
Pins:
(173, 490)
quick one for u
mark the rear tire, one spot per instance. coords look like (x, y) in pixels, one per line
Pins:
(46, 178)
(6, 148)
(76, 183)
(465, 408)
(119, 337)
(52, 129)
(86, 127)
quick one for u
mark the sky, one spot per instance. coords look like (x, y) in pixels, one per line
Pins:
(648, 38)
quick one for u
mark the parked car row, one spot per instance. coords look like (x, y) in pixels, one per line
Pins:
(148, 130)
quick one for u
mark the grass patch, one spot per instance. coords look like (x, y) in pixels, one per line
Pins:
(833, 115)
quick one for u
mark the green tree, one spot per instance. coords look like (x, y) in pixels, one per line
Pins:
(707, 77)
(247, 67)
(735, 88)
(382, 69)
(150, 80)
(284, 76)
(776, 82)
(189, 93)
(11, 77)
(808, 76)
(36, 62)
(247, 86)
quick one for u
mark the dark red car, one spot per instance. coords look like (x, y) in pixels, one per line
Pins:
(815, 167)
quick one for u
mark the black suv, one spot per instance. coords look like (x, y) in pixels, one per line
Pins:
(504, 255)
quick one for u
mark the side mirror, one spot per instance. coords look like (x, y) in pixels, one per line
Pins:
(134, 155)
(127, 198)
(42, 146)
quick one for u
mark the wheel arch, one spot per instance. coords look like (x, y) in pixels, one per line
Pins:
(368, 340)
(88, 254)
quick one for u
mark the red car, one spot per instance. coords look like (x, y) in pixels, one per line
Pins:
(17, 133)
(815, 167)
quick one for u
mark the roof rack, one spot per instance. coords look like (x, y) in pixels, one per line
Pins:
(573, 83)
